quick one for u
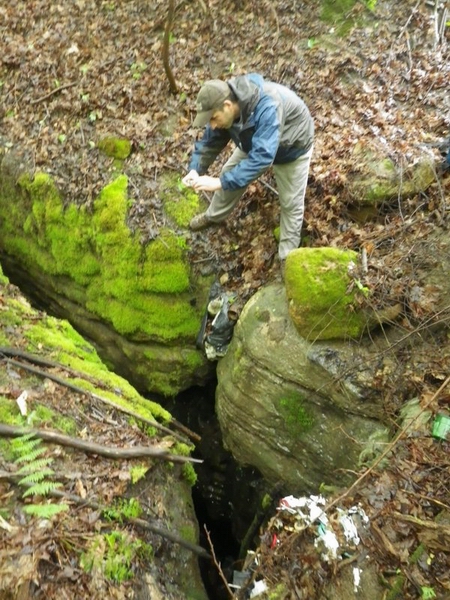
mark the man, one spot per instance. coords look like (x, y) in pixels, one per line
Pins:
(271, 126)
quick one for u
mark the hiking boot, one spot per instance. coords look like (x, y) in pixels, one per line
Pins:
(199, 222)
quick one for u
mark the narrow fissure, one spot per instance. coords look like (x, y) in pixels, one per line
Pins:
(226, 496)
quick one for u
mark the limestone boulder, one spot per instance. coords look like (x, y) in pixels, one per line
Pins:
(300, 412)
(377, 179)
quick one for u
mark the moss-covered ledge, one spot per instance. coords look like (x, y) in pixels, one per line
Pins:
(144, 300)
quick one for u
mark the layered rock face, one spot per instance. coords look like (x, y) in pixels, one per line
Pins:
(298, 411)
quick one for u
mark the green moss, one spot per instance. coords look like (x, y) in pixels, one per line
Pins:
(58, 340)
(297, 418)
(189, 474)
(189, 533)
(336, 12)
(317, 283)
(278, 593)
(114, 554)
(276, 234)
(123, 509)
(135, 288)
(9, 412)
(42, 415)
(113, 147)
(180, 202)
(138, 472)
(145, 293)
(3, 279)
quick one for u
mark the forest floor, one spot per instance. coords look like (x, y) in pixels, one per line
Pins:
(72, 73)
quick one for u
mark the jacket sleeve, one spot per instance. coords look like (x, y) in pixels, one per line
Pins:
(208, 148)
(265, 142)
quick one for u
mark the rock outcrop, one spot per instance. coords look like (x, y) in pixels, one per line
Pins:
(140, 304)
(298, 411)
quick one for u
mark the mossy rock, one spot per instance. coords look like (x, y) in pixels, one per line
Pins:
(320, 305)
(180, 202)
(140, 303)
(377, 180)
(113, 147)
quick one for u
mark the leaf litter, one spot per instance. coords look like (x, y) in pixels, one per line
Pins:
(73, 73)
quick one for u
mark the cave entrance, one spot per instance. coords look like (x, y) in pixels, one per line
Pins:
(227, 497)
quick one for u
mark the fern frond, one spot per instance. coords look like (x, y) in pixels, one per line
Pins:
(31, 455)
(25, 443)
(41, 489)
(23, 438)
(36, 476)
(44, 511)
(41, 463)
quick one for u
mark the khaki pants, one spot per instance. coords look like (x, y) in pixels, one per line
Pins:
(291, 180)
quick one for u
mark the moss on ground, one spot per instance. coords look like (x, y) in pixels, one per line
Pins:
(58, 341)
(114, 147)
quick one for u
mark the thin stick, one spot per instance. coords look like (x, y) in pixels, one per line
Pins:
(217, 564)
(93, 448)
(55, 91)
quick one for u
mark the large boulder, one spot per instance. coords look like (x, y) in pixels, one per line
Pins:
(300, 412)
(376, 179)
(140, 303)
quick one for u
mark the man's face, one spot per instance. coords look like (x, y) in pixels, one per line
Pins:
(223, 118)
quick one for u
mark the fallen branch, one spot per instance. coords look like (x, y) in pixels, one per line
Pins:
(55, 91)
(43, 362)
(166, 47)
(92, 447)
(173, 537)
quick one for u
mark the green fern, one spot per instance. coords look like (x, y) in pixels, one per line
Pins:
(44, 511)
(35, 476)
(31, 456)
(36, 464)
(28, 450)
(41, 489)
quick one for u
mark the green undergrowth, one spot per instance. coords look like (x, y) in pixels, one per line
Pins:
(123, 509)
(36, 476)
(114, 555)
(38, 416)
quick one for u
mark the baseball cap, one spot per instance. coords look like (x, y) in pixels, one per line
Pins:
(210, 98)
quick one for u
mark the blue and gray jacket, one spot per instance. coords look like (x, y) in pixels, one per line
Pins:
(275, 127)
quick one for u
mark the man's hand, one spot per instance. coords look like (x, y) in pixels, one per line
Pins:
(190, 178)
(207, 184)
